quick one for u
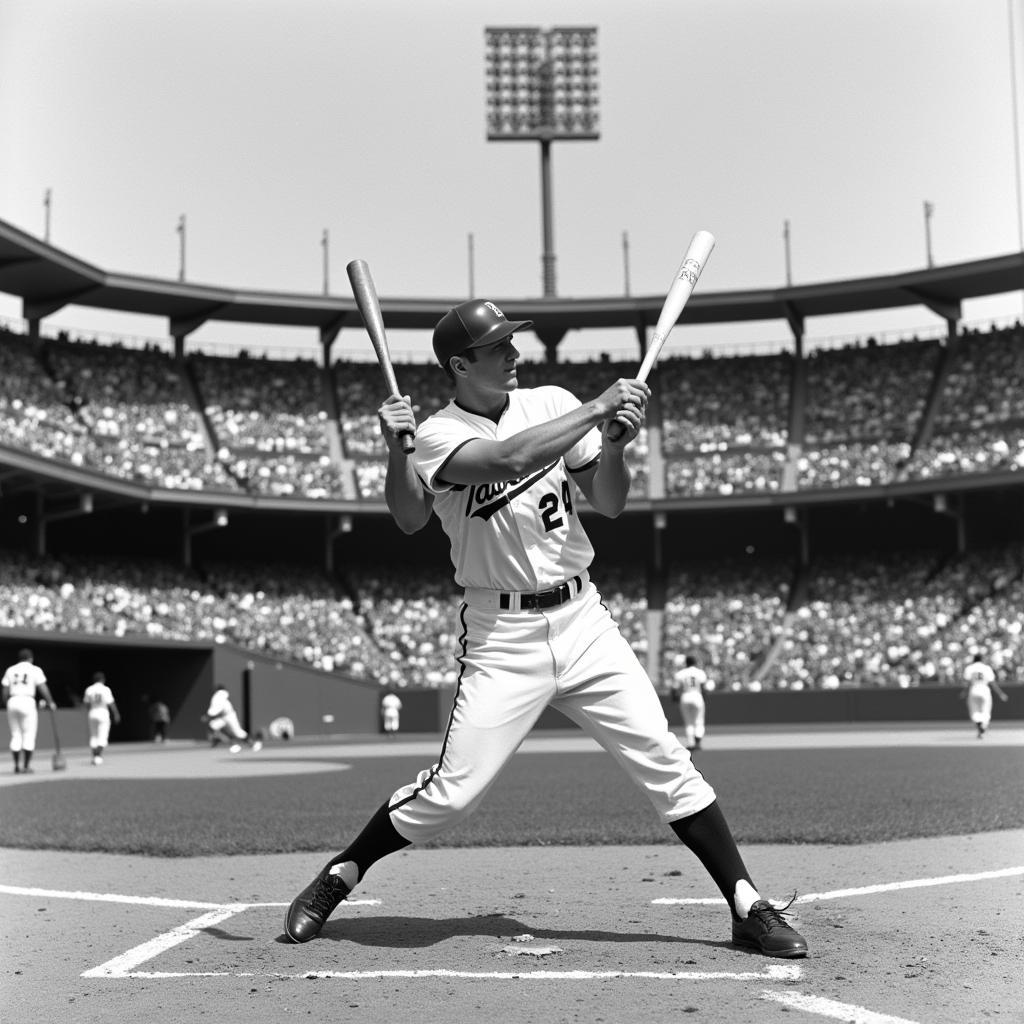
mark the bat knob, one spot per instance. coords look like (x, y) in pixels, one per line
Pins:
(615, 430)
(407, 442)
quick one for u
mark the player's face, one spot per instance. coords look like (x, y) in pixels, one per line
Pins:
(495, 365)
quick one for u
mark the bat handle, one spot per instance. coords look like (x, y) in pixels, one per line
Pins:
(615, 430)
(407, 442)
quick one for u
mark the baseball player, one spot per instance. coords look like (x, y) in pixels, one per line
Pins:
(23, 684)
(503, 468)
(99, 699)
(981, 681)
(390, 706)
(687, 691)
(223, 722)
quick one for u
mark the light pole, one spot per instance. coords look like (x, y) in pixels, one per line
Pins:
(789, 267)
(1016, 124)
(47, 198)
(929, 209)
(625, 263)
(471, 257)
(325, 243)
(542, 86)
(181, 247)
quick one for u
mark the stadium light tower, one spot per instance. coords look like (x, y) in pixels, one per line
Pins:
(542, 86)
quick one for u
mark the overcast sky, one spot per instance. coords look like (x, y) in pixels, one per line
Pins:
(268, 121)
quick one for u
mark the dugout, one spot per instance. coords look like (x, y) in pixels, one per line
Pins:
(183, 675)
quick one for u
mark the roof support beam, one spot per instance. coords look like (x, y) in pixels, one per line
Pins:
(38, 308)
(796, 325)
(948, 309)
(182, 326)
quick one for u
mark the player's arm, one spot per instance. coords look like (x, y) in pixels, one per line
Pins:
(606, 484)
(44, 692)
(115, 715)
(999, 690)
(409, 503)
(482, 461)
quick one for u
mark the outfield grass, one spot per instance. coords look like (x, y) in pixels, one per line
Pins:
(780, 796)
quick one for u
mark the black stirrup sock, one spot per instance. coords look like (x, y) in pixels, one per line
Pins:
(378, 838)
(707, 834)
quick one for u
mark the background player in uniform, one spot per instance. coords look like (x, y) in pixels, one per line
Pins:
(99, 699)
(222, 719)
(981, 681)
(23, 684)
(500, 467)
(687, 689)
(390, 708)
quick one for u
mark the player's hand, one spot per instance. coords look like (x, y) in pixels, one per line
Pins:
(625, 401)
(396, 417)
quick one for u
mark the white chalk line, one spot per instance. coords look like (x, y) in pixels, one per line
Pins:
(122, 966)
(864, 890)
(774, 972)
(146, 901)
(830, 1008)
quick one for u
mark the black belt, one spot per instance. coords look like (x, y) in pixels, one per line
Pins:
(545, 598)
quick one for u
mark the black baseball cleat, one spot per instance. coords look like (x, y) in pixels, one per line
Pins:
(765, 929)
(309, 910)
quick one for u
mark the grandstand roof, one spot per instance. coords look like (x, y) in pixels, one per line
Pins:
(47, 279)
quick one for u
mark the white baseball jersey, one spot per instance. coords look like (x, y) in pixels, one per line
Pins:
(690, 680)
(23, 679)
(518, 535)
(390, 704)
(978, 675)
(220, 704)
(98, 698)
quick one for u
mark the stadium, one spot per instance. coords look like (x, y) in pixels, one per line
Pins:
(833, 527)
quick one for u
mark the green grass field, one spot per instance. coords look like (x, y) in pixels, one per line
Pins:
(842, 796)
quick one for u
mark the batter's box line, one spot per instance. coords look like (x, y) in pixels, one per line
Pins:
(125, 965)
(864, 890)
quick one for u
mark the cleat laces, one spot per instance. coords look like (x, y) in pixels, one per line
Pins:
(770, 916)
(326, 896)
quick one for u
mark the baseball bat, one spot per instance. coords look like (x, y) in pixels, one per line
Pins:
(683, 283)
(369, 306)
(59, 761)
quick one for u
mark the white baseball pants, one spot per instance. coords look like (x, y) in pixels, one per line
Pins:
(516, 663)
(692, 709)
(23, 720)
(979, 705)
(99, 728)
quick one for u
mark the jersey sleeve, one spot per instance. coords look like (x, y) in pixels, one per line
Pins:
(586, 451)
(437, 440)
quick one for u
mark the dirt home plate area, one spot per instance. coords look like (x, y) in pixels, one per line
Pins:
(922, 930)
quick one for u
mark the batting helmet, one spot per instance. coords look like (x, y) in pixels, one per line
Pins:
(470, 325)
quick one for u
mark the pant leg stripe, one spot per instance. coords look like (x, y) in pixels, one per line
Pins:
(460, 658)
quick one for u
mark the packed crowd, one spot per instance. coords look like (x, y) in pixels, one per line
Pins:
(264, 426)
(903, 621)
(729, 614)
(277, 609)
(892, 621)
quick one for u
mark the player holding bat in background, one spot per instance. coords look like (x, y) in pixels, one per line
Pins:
(501, 467)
